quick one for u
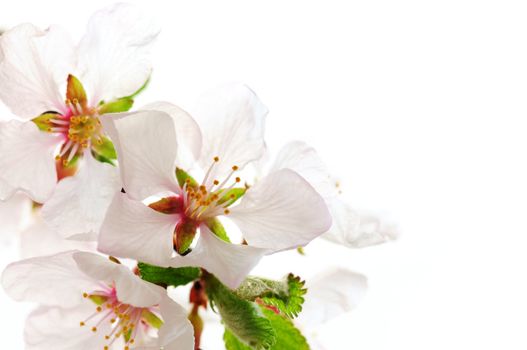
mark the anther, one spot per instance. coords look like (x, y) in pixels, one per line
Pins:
(226, 211)
(94, 329)
(216, 159)
(235, 167)
(216, 182)
(238, 179)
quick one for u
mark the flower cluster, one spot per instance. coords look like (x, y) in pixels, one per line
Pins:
(141, 202)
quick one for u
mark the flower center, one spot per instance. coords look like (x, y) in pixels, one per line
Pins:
(199, 203)
(80, 127)
(125, 320)
(211, 197)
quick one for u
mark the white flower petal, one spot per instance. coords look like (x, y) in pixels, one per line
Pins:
(177, 332)
(13, 215)
(304, 160)
(51, 280)
(147, 150)
(281, 211)
(38, 239)
(331, 294)
(26, 160)
(232, 121)
(231, 263)
(354, 230)
(130, 288)
(114, 54)
(133, 230)
(55, 328)
(187, 131)
(33, 65)
(79, 202)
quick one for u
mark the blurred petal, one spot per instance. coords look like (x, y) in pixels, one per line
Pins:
(133, 230)
(231, 119)
(13, 215)
(55, 328)
(354, 230)
(130, 288)
(177, 332)
(26, 160)
(231, 263)
(50, 280)
(281, 211)
(147, 150)
(187, 131)
(304, 160)
(114, 54)
(33, 65)
(38, 239)
(79, 202)
(331, 294)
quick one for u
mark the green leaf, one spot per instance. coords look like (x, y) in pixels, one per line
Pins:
(182, 177)
(232, 343)
(288, 337)
(104, 150)
(168, 276)
(243, 318)
(123, 104)
(286, 295)
(217, 228)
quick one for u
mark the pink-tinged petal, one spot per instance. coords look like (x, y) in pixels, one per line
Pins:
(330, 295)
(79, 203)
(232, 121)
(56, 328)
(354, 230)
(114, 53)
(51, 280)
(187, 131)
(231, 263)
(33, 65)
(14, 213)
(133, 230)
(304, 160)
(130, 288)
(38, 239)
(177, 332)
(281, 211)
(27, 162)
(147, 149)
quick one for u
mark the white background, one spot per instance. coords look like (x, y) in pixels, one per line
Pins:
(419, 108)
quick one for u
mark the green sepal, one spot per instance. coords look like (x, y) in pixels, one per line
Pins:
(286, 295)
(242, 318)
(105, 151)
(217, 228)
(168, 276)
(287, 335)
(98, 299)
(140, 90)
(231, 196)
(42, 121)
(123, 104)
(152, 319)
(75, 91)
(182, 177)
